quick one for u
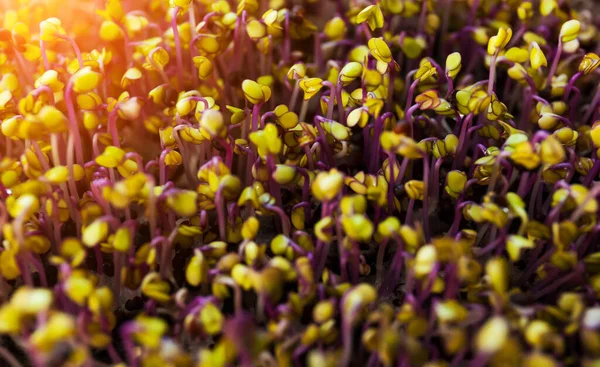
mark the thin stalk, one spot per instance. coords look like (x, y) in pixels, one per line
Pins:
(9, 358)
(285, 219)
(492, 78)
(294, 96)
(303, 110)
(411, 92)
(112, 126)
(409, 212)
(219, 205)
(496, 170)
(426, 169)
(592, 108)
(347, 338)
(581, 208)
(534, 193)
(444, 27)
(75, 49)
(99, 260)
(273, 185)
(555, 62)
(392, 183)
(435, 183)
(73, 125)
(340, 104)
(462, 147)
(593, 173)
(379, 269)
(177, 46)
(571, 84)
(556, 284)
(332, 97)
(44, 56)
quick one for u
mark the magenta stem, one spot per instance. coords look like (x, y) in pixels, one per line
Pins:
(341, 112)
(555, 62)
(571, 84)
(177, 46)
(112, 126)
(219, 204)
(44, 56)
(73, 125)
(492, 78)
(462, 147)
(76, 49)
(411, 92)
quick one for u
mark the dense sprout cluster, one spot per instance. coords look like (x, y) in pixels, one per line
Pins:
(289, 183)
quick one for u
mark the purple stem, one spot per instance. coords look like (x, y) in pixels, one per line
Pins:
(37, 264)
(462, 147)
(435, 192)
(44, 89)
(162, 170)
(592, 174)
(426, 169)
(492, 78)
(409, 212)
(393, 275)
(411, 92)
(392, 183)
(376, 143)
(555, 62)
(255, 114)
(73, 126)
(571, 84)
(99, 260)
(557, 283)
(285, 220)
(177, 46)
(457, 217)
(287, 41)
(112, 126)
(219, 203)
(44, 56)
(341, 112)
(592, 109)
(379, 263)
(76, 49)
(326, 148)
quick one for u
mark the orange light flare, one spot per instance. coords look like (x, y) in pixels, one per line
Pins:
(79, 18)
